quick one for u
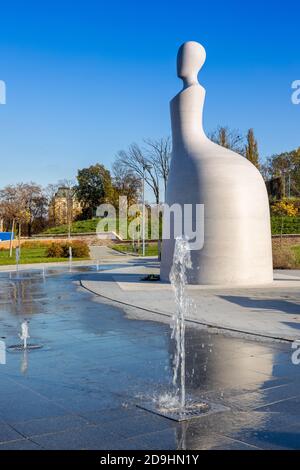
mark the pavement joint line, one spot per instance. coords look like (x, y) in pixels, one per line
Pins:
(208, 325)
(233, 439)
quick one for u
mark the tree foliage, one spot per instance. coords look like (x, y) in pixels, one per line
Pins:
(286, 166)
(284, 208)
(251, 149)
(94, 187)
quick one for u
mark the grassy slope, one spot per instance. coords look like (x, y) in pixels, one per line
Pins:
(291, 225)
(83, 226)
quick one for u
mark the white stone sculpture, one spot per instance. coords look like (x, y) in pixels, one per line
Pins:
(237, 236)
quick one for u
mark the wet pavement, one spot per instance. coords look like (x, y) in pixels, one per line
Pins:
(81, 389)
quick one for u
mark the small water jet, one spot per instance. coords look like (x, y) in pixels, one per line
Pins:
(70, 258)
(24, 336)
(17, 261)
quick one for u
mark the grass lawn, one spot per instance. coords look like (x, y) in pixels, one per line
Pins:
(30, 255)
(151, 248)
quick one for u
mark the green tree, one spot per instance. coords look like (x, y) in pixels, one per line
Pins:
(94, 187)
(251, 149)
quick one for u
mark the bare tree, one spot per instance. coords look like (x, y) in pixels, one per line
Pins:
(229, 138)
(159, 154)
(137, 160)
(125, 183)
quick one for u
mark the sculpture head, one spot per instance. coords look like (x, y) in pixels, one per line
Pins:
(190, 58)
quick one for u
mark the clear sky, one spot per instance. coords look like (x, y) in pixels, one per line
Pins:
(86, 78)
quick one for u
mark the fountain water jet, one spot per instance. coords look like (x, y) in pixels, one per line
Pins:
(70, 258)
(175, 405)
(178, 278)
(17, 261)
(24, 336)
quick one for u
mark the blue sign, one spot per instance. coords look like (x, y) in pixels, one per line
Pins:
(4, 236)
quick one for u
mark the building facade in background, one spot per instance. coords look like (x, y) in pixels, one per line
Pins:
(64, 207)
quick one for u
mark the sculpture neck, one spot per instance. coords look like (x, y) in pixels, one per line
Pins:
(186, 117)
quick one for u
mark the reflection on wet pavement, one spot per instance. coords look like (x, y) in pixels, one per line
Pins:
(80, 390)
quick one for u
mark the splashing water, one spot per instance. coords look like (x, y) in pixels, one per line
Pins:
(70, 258)
(178, 277)
(24, 335)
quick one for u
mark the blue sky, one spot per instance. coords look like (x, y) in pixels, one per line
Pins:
(85, 79)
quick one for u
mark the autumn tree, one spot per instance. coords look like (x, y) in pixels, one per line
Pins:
(23, 204)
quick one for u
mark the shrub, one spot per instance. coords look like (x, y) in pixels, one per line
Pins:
(55, 250)
(289, 225)
(284, 208)
(80, 249)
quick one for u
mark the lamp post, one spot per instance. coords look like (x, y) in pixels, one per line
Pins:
(145, 167)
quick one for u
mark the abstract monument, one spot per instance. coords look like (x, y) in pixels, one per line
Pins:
(237, 236)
